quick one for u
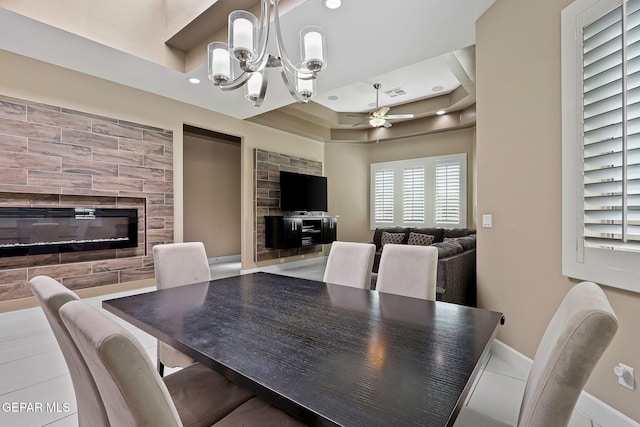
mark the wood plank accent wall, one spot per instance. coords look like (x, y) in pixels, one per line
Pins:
(267, 167)
(53, 156)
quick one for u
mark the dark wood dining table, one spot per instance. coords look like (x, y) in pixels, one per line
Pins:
(327, 354)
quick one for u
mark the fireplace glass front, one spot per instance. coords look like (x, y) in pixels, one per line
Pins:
(33, 231)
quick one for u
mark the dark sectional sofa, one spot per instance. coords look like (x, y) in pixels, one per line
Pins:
(456, 260)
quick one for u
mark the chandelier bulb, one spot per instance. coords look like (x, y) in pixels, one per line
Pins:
(219, 63)
(254, 87)
(312, 43)
(306, 87)
(242, 28)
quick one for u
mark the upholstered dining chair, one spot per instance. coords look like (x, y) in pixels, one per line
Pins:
(178, 264)
(52, 295)
(201, 395)
(576, 337)
(408, 270)
(350, 264)
(133, 392)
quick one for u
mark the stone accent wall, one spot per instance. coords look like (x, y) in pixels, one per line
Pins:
(267, 167)
(53, 156)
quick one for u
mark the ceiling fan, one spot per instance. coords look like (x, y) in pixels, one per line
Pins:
(379, 117)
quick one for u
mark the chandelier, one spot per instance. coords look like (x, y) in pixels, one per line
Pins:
(244, 61)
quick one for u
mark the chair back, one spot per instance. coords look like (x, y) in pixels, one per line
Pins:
(408, 270)
(178, 264)
(52, 295)
(350, 264)
(579, 332)
(132, 391)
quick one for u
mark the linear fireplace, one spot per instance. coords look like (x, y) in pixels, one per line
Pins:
(32, 231)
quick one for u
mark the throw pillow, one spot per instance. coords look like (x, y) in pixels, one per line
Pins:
(395, 238)
(420, 239)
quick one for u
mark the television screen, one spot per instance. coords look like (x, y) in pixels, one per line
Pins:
(299, 192)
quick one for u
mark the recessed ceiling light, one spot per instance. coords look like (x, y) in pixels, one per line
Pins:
(332, 4)
(440, 112)
(332, 98)
(194, 80)
(437, 88)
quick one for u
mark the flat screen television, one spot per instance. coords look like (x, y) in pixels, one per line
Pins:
(300, 192)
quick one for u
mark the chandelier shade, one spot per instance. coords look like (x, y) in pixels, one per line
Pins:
(244, 61)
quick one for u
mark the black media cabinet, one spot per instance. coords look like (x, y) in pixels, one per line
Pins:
(285, 232)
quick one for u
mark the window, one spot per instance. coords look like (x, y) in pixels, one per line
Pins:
(601, 142)
(426, 192)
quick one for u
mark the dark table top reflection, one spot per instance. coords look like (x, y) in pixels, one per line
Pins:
(329, 354)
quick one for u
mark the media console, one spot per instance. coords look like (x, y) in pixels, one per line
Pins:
(285, 232)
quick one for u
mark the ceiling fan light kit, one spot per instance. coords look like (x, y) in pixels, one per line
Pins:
(376, 121)
(244, 61)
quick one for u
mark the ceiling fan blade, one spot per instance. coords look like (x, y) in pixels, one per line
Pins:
(357, 114)
(361, 123)
(387, 124)
(382, 111)
(399, 116)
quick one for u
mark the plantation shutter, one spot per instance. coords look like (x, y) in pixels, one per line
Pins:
(447, 195)
(383, 194)
(611, 129)
(413, 194)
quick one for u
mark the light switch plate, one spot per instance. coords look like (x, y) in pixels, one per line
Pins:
(487, 221)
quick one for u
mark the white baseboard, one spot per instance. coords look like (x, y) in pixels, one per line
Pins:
(596, 410)
(221, 259)
(292, 264)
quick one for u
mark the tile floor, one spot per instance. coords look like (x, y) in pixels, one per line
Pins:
(33, 371)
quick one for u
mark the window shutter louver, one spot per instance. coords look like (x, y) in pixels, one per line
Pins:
(383, 196)
(447, 204)
(413, 195)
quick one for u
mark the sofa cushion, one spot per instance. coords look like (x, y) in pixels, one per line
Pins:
(420, 239)
(458, 232)
(396, 238)
(437, 233)
(446, 249)
(467, 242)
(377, 235)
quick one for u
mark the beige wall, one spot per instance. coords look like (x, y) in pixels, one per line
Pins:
(347, 167)
(137, 27)
(212, 195)
(347, 171)
(29, 79)
(179, 13)
(519, 183)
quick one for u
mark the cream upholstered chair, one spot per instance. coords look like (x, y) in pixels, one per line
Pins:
(408, 270)
(350, 264)
(52, 295)
(178, 264)
(133, 392)
(201, 395)
(579, 332)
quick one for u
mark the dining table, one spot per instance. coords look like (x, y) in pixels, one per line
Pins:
(325, 353)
